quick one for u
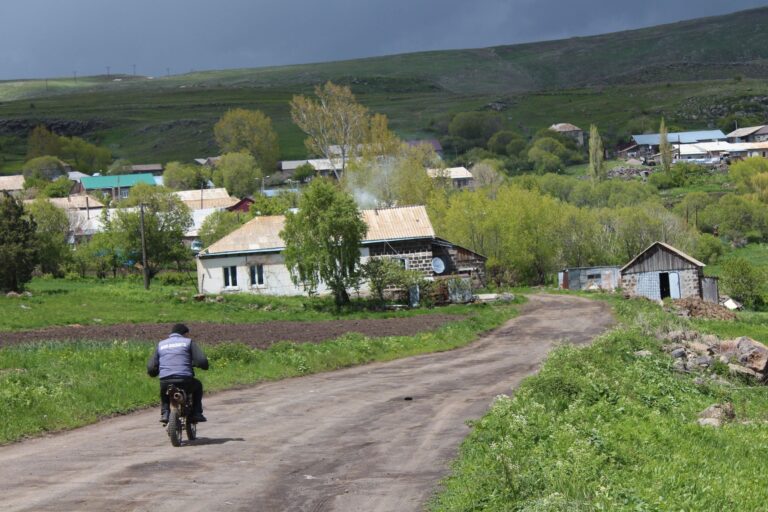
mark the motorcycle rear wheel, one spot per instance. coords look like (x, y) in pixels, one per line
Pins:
(191, 430)
(174, 428)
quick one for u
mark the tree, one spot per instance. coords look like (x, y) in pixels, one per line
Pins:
(42, 142)
(275, 205)
(166, 218)
(596, 154)
(119, 166)
(322, 240)
(44, 168)
(83, 155)
(665, 149)
(52, 233)
(709, 249)
(184, 177)
(500, 141)
(219, 224)
(251, 131)
(18, 245)
(744, 281)
(382, 273)
(304, 171)
(475, 127)
(486, 174)
(335, 123)
(238, 173)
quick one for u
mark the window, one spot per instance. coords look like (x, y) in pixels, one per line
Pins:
(404, 263)
(230, 276)
(257, 275)
(124, 193)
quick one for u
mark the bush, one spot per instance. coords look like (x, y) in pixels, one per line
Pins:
(744, 281)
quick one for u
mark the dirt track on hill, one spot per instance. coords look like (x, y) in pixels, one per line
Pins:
(260, 335)
(371, 438)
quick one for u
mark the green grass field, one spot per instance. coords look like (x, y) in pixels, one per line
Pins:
(602, 429)
(51, 386)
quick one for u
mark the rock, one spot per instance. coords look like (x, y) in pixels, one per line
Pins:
(680, 366)
(710, 340)
(752, 354)
(643, 353)
(267, 307)
(722, 359)
(13, 295)
(721, 412)
(219, 298)
(27, 294)
(507, 297)
(676, 336)
(691, 336)
(726, 347)
(200, 297)
(737, 369)
(710, 422)
(678, 353)
(704, 361)
(699, 348)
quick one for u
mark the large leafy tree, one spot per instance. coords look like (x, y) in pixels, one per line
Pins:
(665, 148)
(250, 131)
(596, 154)
(238, 173)
(18, 245)
(219, 224)
(166, 218)
(322, 240)
(184, 177)
(335, 123)
(52, 232)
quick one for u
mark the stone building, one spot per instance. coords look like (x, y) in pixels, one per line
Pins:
(661, 272)
(250, 258)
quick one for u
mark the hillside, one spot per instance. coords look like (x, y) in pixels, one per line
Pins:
(171, 117)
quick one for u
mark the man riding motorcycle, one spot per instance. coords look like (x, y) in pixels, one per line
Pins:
(173, 361)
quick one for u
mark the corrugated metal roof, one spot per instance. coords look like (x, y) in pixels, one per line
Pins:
(653, 139)
(206, 193)
(668, 247)
(744, 132)
(10, 183)
(120, 180)
(454, 173)
(218, 202)
(147, 168)
(263, 233)
(76, 202)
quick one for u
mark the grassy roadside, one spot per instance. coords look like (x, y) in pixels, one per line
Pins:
(602, 429)
(53, 386)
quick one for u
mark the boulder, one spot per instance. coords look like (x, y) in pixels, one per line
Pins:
(13, 295)
(737, 369)
(710, 340)
(675, 336)
(678, 353)
(752, 354)
(710, 422)
(717, 414)
(200, 297)
(699, 348)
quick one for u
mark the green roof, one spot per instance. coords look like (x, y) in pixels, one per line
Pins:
(116, 181)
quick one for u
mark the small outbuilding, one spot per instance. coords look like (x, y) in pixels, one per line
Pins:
(589, 278)
(661, 272)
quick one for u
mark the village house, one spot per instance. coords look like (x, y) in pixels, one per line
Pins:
(749, 134)
(459, 177)
(569, 130)
(13, 185)
(647, 146)
(661, 272)
(153, 169)
(433, 143)
(206, 198)
(250, 259)
(117, 186)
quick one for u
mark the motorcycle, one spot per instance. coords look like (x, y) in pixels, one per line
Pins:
(180, 415)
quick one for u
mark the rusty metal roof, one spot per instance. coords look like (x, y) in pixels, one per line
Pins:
(745, 132)
(262, 234)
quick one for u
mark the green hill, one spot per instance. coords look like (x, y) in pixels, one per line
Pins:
(693, 72)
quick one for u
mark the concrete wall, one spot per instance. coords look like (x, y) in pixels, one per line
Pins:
(277, 278)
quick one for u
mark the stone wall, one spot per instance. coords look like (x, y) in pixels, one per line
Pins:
(646, 284)
(417, 254)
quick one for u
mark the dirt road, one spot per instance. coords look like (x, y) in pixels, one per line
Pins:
(371, 438)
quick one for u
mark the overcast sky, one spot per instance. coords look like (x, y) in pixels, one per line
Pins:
(49, 38)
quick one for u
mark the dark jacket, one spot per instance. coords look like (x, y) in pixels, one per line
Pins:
(175, 356)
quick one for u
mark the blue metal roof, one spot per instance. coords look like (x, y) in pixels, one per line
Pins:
(653, 139)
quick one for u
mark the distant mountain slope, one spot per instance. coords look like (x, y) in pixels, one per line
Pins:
(705, 48)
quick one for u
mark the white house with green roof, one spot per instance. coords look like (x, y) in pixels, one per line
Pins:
(118, 186)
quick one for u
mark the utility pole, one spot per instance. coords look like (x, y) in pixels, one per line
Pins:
(143, 249)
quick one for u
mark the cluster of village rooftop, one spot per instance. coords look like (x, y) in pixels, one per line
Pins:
(250, 259)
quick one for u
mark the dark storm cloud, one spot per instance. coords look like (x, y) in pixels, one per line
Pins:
(55, 38)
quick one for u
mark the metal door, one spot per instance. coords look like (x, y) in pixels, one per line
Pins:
(674, 285)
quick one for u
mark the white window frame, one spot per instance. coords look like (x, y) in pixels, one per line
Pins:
(230, 277)
(253, 275)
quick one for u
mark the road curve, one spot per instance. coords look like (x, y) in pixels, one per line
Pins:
(375, 438)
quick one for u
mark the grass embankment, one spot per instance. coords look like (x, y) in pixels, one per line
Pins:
(602, 429)
(53, 386)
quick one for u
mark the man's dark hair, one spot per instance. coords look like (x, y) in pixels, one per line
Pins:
(180, 329)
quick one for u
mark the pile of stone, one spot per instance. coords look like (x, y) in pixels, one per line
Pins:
(697, 308)
(693, 351)
(629, 172)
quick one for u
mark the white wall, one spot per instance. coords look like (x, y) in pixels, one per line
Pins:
(277, 279)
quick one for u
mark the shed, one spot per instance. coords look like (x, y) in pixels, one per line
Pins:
(589, 278)
(662, 271)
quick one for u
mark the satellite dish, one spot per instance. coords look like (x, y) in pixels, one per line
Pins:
(438, 265)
